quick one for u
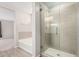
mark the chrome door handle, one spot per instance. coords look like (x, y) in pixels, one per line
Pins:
(56, 30)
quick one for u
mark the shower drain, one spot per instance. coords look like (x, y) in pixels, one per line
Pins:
(58, 54)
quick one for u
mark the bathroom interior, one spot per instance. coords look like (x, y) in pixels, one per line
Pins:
(15, 29)
(59, 29)
(20, 35)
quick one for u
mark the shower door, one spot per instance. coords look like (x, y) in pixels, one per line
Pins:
(58, 27)
(49, 28)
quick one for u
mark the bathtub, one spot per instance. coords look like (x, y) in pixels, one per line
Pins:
(50, 52)
(6, 44)
(26, 44)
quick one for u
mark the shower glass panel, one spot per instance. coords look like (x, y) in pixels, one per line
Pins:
(58, 28)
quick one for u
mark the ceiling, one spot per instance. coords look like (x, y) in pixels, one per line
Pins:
(53, 4)
(27, 6)
(18, 6)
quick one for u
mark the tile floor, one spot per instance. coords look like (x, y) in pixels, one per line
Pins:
(14, 52)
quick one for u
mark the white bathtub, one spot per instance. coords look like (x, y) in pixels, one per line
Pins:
(50, 52)
(6, 44)
(26, 44)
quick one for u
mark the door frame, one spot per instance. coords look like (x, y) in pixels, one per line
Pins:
(36, 29)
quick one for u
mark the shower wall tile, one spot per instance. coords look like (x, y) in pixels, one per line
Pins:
(68, 29)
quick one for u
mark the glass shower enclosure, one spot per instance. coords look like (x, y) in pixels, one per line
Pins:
(58, 29)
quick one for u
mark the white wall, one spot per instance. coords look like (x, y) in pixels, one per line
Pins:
(23, 22)
(6, 14)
